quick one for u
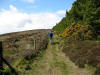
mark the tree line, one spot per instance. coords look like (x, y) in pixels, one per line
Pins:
(83, 12)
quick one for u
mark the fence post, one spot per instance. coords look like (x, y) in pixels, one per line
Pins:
(1, 56)
(35, 44)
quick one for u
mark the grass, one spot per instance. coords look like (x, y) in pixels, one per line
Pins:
(58, 61)
(46, 62)
(18, 48)
(9, 52)
(28, 66)
(83, 53)
(49, 60)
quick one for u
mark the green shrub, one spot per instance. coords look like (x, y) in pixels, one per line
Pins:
(98, 37)
(97, 72)
(6, 71)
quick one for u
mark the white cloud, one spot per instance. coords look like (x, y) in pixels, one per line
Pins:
(12, 20)
(61, 12)
(12, 8)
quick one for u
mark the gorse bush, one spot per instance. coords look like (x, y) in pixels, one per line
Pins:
(78, 32)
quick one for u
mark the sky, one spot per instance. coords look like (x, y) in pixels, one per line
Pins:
(21, 15)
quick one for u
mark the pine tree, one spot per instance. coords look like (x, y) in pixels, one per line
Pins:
(83, 12)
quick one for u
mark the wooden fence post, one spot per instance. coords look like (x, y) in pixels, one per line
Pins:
(1, 56)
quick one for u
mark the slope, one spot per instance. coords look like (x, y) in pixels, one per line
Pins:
(53, 61)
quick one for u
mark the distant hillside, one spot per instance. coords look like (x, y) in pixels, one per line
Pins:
(21, 44)
(23, 33)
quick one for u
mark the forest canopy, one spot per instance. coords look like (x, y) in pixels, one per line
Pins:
(83, 12)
